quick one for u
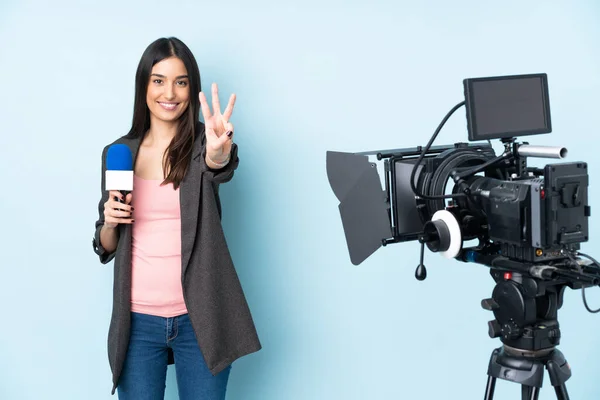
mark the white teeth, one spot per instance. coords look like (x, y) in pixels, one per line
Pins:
(168, 105)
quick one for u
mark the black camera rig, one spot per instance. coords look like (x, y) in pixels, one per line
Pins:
(528, 223)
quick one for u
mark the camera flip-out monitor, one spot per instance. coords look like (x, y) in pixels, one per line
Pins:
(507, 106)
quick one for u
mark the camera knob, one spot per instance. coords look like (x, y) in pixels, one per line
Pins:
(511, 330)
(554, 336)
(494, 329)
(489, 304)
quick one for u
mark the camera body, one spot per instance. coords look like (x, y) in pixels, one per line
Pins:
(534, 219)
(529, 218)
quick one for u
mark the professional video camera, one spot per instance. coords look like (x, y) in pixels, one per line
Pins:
(528, 223)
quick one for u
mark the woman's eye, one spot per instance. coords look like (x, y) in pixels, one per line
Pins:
(157, 81)
(182, 83)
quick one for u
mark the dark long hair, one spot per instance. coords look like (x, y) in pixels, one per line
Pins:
(178, 153)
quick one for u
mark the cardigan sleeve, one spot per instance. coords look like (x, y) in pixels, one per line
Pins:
(104, 256)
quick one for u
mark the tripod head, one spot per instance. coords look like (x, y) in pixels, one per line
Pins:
(527, 297)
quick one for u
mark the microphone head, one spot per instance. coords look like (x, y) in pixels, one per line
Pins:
(119, 168)
(119, 158)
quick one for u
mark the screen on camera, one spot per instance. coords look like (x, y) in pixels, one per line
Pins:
(508, 106)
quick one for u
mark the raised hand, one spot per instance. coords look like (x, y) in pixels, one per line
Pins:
(219, 131)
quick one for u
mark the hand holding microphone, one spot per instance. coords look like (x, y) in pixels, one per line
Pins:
(117, 209)
(119, 183)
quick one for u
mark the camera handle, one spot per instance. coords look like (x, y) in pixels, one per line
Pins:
(421, 272)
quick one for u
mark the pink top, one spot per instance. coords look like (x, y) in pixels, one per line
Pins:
(156, 250)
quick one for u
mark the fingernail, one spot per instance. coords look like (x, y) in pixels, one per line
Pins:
(229, 133)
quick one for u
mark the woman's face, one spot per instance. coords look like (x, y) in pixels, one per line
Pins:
(168, 94)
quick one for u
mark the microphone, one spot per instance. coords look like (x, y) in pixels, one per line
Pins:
(119, 169)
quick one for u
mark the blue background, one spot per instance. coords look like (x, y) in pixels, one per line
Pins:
(310, 76)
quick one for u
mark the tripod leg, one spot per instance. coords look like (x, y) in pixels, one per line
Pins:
(561, 392)
(535, 393)
(489, 390)
(559, 372)
(529, 392)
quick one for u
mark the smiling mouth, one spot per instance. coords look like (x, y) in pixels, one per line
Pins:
(168, 106)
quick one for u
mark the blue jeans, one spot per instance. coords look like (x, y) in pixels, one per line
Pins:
(145, 369)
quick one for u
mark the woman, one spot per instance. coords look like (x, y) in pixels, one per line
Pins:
(176, 295)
